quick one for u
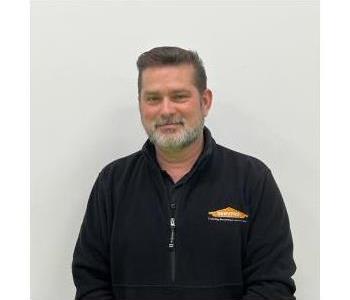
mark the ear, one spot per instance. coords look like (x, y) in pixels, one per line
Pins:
(207, 98)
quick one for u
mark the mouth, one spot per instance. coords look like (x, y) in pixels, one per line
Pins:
(169, 125)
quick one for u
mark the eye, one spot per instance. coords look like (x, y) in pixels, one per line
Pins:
(180, 97)
(153, 98)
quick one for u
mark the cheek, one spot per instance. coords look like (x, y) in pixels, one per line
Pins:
(193, 115)
(148, 114)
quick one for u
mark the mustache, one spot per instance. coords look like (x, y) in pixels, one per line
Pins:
(169, 121)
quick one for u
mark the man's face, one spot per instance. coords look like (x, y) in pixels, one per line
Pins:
(172, 109)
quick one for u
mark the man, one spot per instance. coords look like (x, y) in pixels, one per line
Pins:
(183, 218)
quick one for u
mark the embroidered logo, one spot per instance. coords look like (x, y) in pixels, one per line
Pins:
(227, 214)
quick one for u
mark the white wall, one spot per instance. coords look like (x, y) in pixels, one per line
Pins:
(262, 61)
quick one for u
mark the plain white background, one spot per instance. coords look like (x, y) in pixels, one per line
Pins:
(262, 61)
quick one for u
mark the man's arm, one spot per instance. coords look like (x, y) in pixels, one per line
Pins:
(268, 264)
(91, 263)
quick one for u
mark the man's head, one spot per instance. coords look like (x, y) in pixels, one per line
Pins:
(173, 98)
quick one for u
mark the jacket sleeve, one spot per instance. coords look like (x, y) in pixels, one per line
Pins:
(268, 263)
(91, 263)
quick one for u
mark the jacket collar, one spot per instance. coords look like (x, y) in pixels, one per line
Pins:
(149, 152)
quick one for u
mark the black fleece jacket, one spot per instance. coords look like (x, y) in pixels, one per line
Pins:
(227, 237)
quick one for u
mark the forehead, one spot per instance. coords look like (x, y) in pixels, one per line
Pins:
(168, 77)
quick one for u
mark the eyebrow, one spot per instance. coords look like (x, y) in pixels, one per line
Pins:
(147, 93)
(151, 93)
(180, 91)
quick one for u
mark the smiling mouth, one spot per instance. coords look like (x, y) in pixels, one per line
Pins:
(168, 125)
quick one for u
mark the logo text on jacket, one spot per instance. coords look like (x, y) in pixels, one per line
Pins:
(227, 214)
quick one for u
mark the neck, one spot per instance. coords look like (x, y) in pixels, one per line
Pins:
(178, 163)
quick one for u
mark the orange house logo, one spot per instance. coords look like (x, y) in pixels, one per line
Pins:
(228, 213)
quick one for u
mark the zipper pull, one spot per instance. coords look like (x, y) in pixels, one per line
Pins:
(172, 234)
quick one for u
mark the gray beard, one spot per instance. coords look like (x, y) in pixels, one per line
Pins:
(178, 142)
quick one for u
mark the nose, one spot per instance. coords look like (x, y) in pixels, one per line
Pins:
(167, 107)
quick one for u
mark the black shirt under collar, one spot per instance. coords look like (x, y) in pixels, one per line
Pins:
(149, 150)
